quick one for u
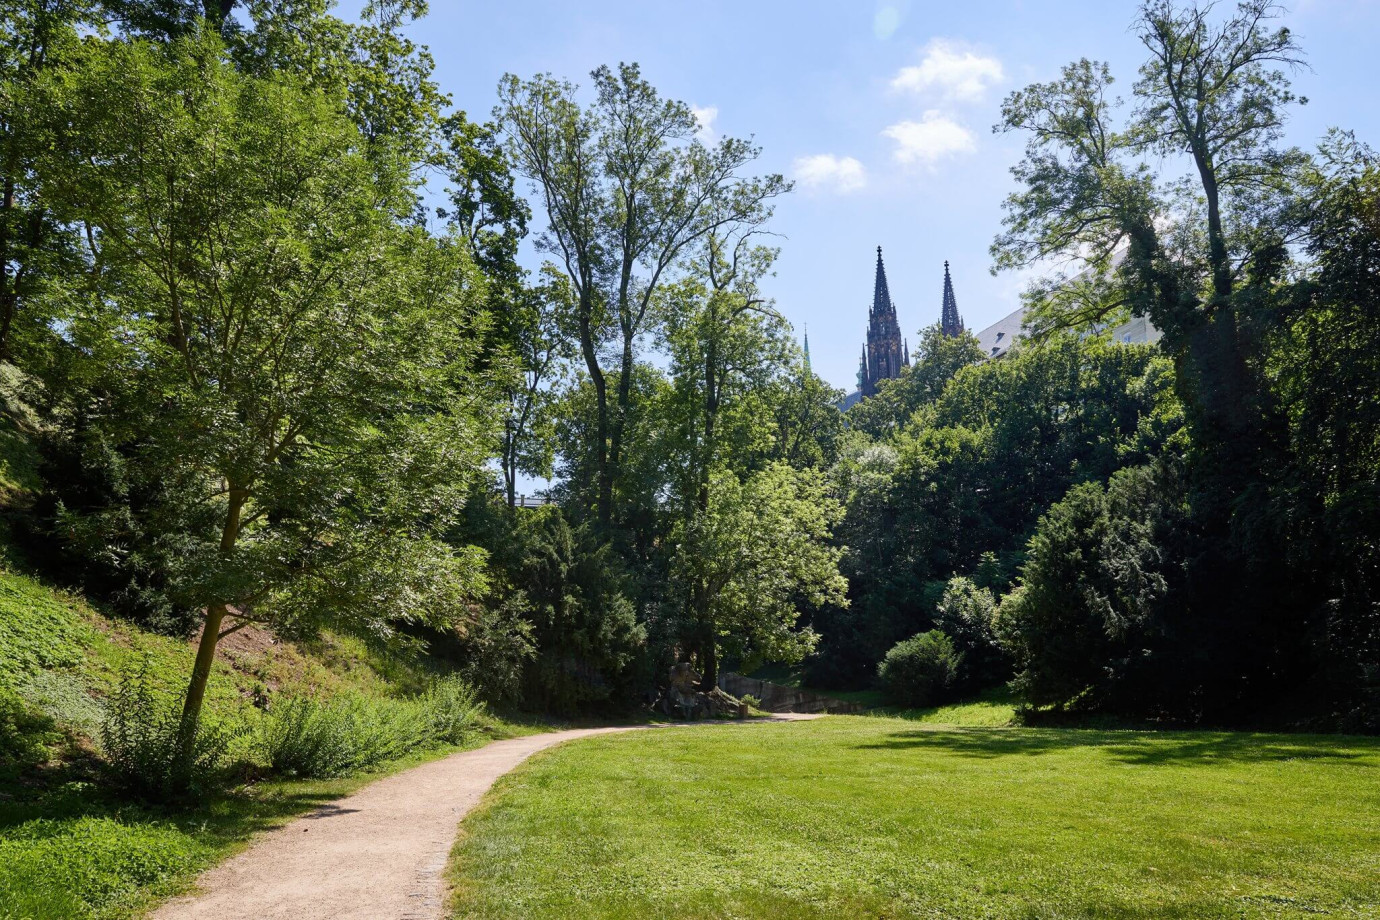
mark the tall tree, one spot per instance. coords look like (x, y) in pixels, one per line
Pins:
(35, 250)
(293, 363)
(758, 551)
(626, 190)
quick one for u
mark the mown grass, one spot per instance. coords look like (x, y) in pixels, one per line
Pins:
(70, 848)
(871, 817)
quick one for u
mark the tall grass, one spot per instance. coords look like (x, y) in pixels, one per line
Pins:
(142, 742)
(310, 738)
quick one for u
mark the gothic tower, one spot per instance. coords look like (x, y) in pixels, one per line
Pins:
(950, 323)
(885, 352)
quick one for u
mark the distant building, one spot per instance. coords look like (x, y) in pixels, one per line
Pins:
(886, 352)
(998, 338)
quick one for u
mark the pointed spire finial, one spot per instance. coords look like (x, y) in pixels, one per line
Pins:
(950, 323)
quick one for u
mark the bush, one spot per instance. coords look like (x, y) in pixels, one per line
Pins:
(1089, 625)
(454, 710)
(920, 671)
(966, 615)
(141, 739)
(310, 738)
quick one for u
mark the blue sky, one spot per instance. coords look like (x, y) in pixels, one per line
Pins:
(882, 112)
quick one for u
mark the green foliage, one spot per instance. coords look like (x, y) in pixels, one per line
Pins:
(937, 359)
(759, 550)
(85, 867)
(563, 594)
(628, 194)
(296, 410)
(965, 614)
(920, 671)
(1088, 625)
(306, 737)
(962, 486)
(454, 711)
(145, 746)
(37, 631)
(25, 734)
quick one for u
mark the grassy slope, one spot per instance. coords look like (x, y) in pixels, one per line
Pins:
(69, 849)
(882, 817)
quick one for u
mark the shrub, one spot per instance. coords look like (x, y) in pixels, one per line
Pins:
(141, 741)
(454, 710)
(965, 614)
(750, 701)
(306, 737)
(920, 671)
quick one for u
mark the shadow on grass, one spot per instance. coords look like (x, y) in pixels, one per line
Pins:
(48, 805)
(1140, 748)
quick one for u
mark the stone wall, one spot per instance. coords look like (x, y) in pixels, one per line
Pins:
(779, 698)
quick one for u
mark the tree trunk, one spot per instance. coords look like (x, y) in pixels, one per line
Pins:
(210, 635)
(709, 664)
(619, 422)
(201, 676)
(603, 481)
(9, 278)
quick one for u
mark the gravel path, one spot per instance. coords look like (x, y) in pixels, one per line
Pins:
(375, 855)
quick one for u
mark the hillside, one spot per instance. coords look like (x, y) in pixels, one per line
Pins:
(71, 845)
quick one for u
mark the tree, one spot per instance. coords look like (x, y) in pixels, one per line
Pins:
(625, 190)
(538, 329)
(266, 339)
(758, 551)
(1095, 622)
(938, 359)
(36, 251)
(1216, 92)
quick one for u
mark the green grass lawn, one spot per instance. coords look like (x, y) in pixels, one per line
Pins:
(855, 817)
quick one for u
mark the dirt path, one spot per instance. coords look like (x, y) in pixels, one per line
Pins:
(374, 855)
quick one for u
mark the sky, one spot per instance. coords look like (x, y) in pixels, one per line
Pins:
(881, 112)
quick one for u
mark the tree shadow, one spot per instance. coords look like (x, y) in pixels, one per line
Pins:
(1138, 748)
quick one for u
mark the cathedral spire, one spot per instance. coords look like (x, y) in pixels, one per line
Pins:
(881, 296)
(807, 348)
(883, 354)
(950, 323)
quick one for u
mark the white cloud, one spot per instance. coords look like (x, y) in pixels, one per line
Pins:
(706, 115)
(929, 140)
(826, 172)
(952, 71)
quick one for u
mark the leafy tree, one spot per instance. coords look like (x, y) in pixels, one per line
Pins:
(626, 191)
(268, 340)
(965, 614)
(757, 551)
(568, 587)
(1092, 623)
(36, 251)
(938, 359)
(1324, 364)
